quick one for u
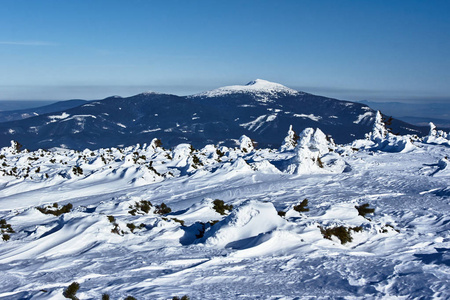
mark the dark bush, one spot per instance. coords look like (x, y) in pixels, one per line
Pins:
(162, 209)
(213, 222)
(141, 207)
(302, 207)
(220, 207)
(319, 162)
(6, 237)
(130, 298)
(281, 213)
(71, 290)
(196, 161)
(364, 209)
(131, 226)
(111, 219)
(185, 297)
(105, 297)
(49, 210)
(219, 153)
(178, 221)
(77, 170)
(342, 233)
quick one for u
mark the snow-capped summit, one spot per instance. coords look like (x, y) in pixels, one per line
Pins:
(258, 87)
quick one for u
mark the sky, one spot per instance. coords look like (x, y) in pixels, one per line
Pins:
(352, 50)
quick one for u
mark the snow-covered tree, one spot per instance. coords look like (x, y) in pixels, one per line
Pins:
(246, 144)
(379, 131)
(290, 141)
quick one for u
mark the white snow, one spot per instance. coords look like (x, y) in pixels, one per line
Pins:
(261, 88)
(310, 116)
(54, 118)
(401, 251)
(366, 116)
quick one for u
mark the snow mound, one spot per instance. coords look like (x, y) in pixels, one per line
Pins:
(437, 137)
(248, 220)
(257, 87)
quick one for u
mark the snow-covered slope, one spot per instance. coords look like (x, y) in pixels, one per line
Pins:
(261, 109)
(263, 90)
(241, 225)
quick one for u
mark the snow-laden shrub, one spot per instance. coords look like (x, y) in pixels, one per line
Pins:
(312, 146)
(290, 141)
(155, 144)
(381, 140)
(246, 144)
(436, 136)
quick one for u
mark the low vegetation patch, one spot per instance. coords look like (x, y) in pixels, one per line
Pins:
(55, 209)
(6, 229)
(302, 207)
(220, 207)
(71, 290)
(77, 170)
(281, 213)
(185, 297)
(141, 207)
(162, 209)
(341, 232)
(364, 209)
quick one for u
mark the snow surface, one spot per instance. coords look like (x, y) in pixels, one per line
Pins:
(262, 89)
(401, 252)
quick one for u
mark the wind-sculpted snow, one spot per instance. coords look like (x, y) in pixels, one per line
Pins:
(310, 220)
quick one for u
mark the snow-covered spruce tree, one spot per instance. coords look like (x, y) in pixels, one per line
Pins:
(379, 131)
(312, 145)
(433, 131)
(246, 144)
(290, 141)
(155, 144)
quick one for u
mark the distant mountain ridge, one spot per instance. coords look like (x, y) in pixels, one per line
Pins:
(261, 109)
(13, 115)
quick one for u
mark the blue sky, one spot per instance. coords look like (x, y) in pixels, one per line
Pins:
(355, 50)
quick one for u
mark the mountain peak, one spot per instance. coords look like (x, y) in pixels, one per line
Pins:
(257, 87)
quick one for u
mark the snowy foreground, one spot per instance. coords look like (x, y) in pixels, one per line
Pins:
(112, 241)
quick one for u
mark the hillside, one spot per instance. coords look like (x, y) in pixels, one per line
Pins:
(260, 109)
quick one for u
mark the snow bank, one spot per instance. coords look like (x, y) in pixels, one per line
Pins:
(248, 220)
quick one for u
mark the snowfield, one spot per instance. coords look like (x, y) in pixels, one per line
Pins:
(375, 225)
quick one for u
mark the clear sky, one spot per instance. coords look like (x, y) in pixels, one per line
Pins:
(354, 50)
